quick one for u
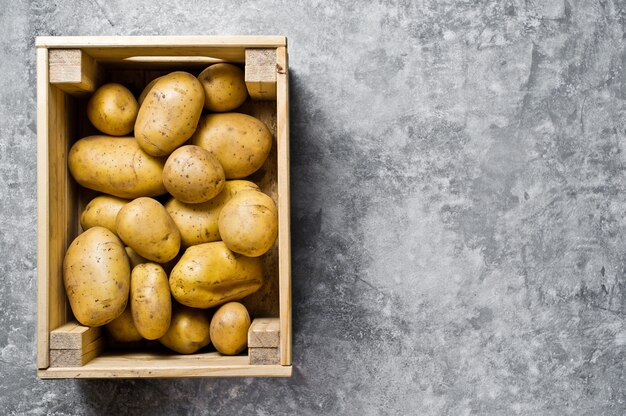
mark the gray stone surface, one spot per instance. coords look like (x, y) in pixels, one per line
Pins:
(458, 207)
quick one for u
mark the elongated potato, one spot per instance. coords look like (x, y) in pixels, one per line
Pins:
(102, 211)
(190, 330)
(146, 227)
(112, 109)
(122, 328)
(150, 300)
(169, 113)
(224, 87)
(116, 166)
(198, 222)
(96, 275)
(248, 223)
(229, 328)
(210, 274)
(240, 142)
(193, 175)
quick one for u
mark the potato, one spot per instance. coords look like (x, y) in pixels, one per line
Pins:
(134, 258)
(145, 226)
(150, 301)
(112, 109)
(96, 275)
(189, 330)
(229, 328)
(102, 211)
(122, 328)
(169, 114)
(224, 87)
(210, 274)
(248, 223)
(146, 90)
(116, 166)
(193, 175)
(240, 142)
(198, 222)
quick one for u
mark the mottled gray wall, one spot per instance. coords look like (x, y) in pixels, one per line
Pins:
(459, 207)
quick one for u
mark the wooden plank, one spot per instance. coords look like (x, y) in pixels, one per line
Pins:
(73, 71)
(260, 73)
(73, 335)
(150, 365)
(264, 356)
(43, 266)
(160, 41)
(264, 333)
(77, 357)
(284, 229)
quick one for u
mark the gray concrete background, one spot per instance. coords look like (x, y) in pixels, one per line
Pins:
(459, 204)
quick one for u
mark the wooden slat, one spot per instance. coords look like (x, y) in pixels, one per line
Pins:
(43, 265)
(284, 236)
(73, 71)
(264, 333)
(77, 357)
(142, 365)
(260, 73)
(264, 356)
(73, 335)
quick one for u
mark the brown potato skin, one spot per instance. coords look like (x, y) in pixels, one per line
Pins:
(224, 87)
(116, 166)
(145, 226)
(122, 328)
(102, 211)
(240, 142)
(150, 300)
(248, 224)
(229, 328)
(190, 330)
(113, 109)
(96, 275)
(193, 175)
(198, 222)
(210, 274)
(169, 114)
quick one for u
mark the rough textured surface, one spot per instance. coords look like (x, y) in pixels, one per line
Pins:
(458, 207)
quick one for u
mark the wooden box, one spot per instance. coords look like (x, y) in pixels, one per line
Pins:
(68, 70)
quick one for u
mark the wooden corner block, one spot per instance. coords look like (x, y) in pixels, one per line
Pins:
(77, 357)
(264, 333)
(73, 336)
(261, 73)
(264, 356)
(73, 71)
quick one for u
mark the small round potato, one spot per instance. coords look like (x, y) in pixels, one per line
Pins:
(102, 211)
(248, 223)
(189, 330)
(240, 142)
(112, 109)
(169, 114)
(116, 167)
(224, 87)
(229, 328)
(198, 222)
(146, 227)
(150, 300)
(193, 175)
(122, 328)
(96, 275)
(146, 90)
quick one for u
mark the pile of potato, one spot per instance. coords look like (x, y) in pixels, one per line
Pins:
(126, 267)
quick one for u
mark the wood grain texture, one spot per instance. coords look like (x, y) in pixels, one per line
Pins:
(73, 71)
(73, 335)
(264, 356)
(260, 73)
(264, 333)
(284, 228)
(77, 357)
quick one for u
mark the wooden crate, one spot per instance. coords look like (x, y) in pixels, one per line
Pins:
(68, 70)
